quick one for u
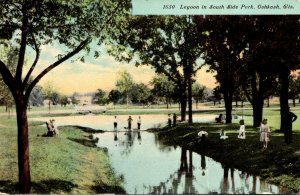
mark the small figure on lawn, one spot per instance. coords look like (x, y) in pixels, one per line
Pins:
(50, 131)
(54, 127)
(223, 134)
(264, 133)
(202, 134)
(288, 134)
(242, 133)
(219, 119)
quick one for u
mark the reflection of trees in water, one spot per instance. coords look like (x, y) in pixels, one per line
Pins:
(185, 172)
(224, 182)
(203, 164)
(161, 146)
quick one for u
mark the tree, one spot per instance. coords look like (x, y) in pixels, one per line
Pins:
(217, 95)
(101, 97)
(198, 92)
(165, 43)
(125, 83)
(114, 96)
(163, 87)
(28, 23)
(37, 97)
(140, 93)
(223, 43)
(273, 51)
(9, 54)
(294, 88)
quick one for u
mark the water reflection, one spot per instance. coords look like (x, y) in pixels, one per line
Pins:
(151, 167)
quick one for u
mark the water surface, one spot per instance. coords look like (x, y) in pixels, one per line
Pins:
(148, 166)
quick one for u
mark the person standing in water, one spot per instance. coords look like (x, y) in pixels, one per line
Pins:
(129, 122)
(174, 119)
(139, 122)
(115, 123)
(169, 120)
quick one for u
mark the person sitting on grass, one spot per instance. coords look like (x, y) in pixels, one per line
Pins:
(50, 131)
(219, 119)
(223, 134)
(54, 127)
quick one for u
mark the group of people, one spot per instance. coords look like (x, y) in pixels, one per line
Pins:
(170, 120)
(264, 132)
(52, 129)
(129, 120)
(264, 129)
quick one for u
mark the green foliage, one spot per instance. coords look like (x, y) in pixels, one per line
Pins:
(198, 91)
(101, 97)
(163, 87)
(140, 93)
(36, 97)
(114, 96)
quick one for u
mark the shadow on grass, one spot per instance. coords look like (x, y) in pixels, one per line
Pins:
(85, 142)
(53, 186)
(85, 129)
(7, 186)
(45, 186)
(100, 188)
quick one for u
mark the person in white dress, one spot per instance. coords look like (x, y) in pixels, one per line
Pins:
(264, 133)
(242, 133)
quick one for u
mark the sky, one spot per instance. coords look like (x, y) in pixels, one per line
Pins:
(101, 73)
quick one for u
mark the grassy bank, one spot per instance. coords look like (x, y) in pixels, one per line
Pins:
(279, 163)
(68, 163)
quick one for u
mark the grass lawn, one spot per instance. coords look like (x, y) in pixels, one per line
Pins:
(279, 163)
(68, 163)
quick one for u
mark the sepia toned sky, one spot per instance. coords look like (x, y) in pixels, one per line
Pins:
(101, 73)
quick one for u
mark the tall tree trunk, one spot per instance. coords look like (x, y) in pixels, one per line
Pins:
(257, 98)
(190, 99)
(268, 102)
(227, 90)
(183, 105)
(23, 146)
(228, 107)
(284, 104)
(257, 112)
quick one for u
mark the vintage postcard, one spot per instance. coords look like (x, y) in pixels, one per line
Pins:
(149, 96)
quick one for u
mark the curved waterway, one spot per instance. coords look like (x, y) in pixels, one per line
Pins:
(148, 166)
(105, 122)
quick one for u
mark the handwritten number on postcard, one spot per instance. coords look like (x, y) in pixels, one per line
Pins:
(169, 7)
